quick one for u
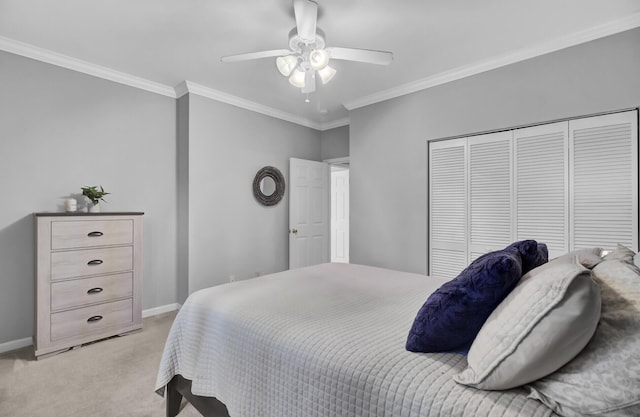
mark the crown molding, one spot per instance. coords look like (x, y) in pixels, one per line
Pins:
(74, 64)
(65, 61)
(200, 90)
(335, 123)
(600, 31)
(186, 87)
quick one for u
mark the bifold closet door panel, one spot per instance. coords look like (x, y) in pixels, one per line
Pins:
(471, 204)
(447, 193)
(490, 185)
(604, 179)
(541, 185)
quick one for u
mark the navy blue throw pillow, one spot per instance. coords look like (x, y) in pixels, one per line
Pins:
(533, 254)
(453, 314)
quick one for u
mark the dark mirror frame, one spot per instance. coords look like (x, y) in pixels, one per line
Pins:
(276, 175)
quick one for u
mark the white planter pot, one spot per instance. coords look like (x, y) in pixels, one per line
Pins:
(94, 208)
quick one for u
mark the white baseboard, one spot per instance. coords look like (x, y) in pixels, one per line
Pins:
(27, 341)
(159, 310)
(15, 344)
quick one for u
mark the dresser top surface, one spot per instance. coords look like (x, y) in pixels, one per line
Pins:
(81, 214)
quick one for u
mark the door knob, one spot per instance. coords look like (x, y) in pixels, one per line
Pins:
(294, 231)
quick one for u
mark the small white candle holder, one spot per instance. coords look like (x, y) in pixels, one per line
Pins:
(70, 205)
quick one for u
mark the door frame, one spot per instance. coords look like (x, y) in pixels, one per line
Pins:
(337, 161)
(345, 160)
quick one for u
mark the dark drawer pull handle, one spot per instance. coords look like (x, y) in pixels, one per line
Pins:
(94, 290)
(95, 234)
(95, 262)
(94, 318)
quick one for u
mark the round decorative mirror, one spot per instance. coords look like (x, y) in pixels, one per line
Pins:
(268, 186)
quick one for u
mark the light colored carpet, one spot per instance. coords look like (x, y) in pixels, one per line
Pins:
(110, 378)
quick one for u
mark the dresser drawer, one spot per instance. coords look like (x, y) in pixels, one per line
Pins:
(87, 320)
(77, 263)
(87, 233)
(79, 292)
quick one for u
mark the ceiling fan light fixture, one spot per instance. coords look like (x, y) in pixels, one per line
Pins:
(297, 78)
(319, 59)
(307, 59)
(286, 64)
(326, 74)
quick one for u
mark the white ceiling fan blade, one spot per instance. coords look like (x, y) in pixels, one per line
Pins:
(255, 55)
(306, 12)
(361, 55)
(309, 82)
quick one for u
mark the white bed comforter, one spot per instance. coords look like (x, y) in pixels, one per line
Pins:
(323, 341)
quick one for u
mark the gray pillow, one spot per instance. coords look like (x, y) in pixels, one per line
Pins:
(587, 257)
(621, 253)
(604, 379)
(542, 324)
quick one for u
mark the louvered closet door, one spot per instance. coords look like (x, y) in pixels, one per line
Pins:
(447, 208)
(604, 179)
(541, 186)
(490, 193)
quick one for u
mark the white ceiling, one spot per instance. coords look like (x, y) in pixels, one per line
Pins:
(170, 41)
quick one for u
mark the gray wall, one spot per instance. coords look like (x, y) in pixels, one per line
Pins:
(388, 140)
(334, 143)
(230, 233)
(61, 130)
(187, 163)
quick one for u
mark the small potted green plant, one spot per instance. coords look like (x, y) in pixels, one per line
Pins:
(94, 195)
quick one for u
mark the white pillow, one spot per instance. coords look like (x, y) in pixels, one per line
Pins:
(604, 379)
(540, 326)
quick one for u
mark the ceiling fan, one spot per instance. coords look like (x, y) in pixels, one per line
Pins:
(307, 54)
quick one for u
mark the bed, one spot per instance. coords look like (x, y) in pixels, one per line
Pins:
(326, 340)
(542, 337)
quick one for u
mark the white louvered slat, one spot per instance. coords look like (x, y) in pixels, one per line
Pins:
(604, 181)
(447, 208)
(541, 185)
(489, 193)
(447, 263)
(475, 255)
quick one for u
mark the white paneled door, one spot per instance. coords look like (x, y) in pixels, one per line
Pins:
(308, 213)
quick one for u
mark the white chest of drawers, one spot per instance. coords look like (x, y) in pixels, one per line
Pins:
(88, 278)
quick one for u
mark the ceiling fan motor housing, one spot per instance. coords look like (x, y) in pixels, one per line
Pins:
(296, 44)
